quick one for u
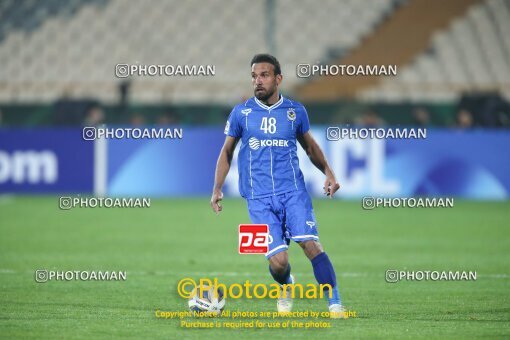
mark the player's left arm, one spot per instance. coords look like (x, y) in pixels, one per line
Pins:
(314, 152)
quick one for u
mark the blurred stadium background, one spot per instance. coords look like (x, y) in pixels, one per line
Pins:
(57, 73)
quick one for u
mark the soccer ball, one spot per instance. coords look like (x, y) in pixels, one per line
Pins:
(207, 299)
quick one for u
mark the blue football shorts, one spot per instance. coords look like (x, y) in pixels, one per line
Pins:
(289, 216)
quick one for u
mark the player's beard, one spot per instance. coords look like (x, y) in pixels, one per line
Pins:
(264, 95)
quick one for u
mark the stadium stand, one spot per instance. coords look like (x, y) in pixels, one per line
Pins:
(397, 41)
(51, 47)
(471, 55)
(58, 57)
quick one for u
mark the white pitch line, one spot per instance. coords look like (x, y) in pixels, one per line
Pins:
(237, 274)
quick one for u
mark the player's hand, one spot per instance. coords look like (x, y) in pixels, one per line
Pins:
(331, 186)
(217, 196)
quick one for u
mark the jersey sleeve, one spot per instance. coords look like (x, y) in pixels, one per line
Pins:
(304, 123)
(233, 128)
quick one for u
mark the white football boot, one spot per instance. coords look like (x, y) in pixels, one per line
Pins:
(337, 311)
(284, 303)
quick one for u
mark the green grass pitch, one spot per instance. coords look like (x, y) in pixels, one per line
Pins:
(174, 239)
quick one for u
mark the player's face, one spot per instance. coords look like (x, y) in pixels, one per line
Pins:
(264, 81)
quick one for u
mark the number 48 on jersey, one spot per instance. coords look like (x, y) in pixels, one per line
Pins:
(268, 125)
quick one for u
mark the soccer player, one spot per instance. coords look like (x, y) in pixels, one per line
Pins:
(270, 178)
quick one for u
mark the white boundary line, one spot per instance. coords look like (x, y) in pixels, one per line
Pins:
(233, 274)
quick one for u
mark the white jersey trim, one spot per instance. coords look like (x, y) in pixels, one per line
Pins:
(270, 108)
(251, 178)
(293, 171)
(272, 179)
(305, 236)
(277, 248)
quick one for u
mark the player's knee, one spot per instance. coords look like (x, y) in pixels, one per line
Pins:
(309, 245)
(279, 262)
(311, 248)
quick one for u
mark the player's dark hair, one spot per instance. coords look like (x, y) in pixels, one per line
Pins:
(267, 58)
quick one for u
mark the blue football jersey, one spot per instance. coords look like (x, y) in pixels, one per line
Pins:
(267, 162)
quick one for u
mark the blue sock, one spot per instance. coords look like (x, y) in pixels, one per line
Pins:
(325, 274)
(281, 278)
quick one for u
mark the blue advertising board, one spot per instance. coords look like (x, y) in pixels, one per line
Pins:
(472, 164)
(468, 164)
(45, 161)
(164, 167)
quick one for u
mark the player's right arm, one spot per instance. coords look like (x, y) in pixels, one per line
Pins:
(222, 168)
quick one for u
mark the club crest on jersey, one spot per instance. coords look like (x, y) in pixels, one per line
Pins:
(291, 114)
(246, 112)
